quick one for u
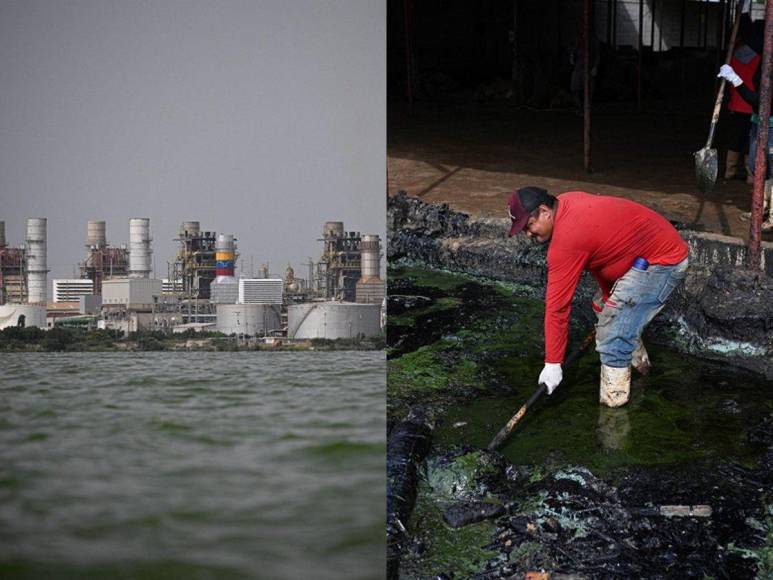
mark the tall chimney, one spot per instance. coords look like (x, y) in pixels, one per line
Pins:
(139, 248)
(37, 277)
(2, 234)
(371, 256)
(95, 234)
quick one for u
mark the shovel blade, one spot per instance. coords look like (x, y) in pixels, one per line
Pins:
(706, 169)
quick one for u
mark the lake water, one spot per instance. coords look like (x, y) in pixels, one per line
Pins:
(192, 465)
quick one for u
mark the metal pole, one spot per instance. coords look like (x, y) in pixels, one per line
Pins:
(639, 64)
(652, 25)
(408, 63)
(586, 83)
(515, 50)
(763, 125)
(614, 24)
(720, 33)
(609, 22)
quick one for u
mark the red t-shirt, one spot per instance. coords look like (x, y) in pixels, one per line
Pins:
(603, 235)
(746, 72)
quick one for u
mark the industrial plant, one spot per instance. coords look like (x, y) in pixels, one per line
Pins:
(343, 296)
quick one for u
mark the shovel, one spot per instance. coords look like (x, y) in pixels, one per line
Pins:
(706, 164)
(510, 425)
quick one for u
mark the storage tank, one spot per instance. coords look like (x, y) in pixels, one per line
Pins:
(333, 320)
(139, 248)
(96, 234)
(248, 319)
(34, 315)
(37, 271)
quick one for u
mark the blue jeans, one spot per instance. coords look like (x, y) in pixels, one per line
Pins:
(753, 149)
(635, 300)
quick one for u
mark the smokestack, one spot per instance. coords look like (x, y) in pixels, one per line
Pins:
(2, 234)
(190, 229)
(37, 278)
(139, 248)
(224, 289)
(371, 256)
(95, 234)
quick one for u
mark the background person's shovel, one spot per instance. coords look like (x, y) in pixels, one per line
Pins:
(706, 163)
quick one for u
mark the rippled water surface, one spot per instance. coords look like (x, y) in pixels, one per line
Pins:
(194, 465)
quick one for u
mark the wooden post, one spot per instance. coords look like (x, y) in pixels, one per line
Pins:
(763, 126)
(586, 83)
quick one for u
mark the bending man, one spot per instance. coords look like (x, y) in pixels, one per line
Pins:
(604, 235)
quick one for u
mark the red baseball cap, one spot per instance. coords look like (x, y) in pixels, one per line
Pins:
(522, 202)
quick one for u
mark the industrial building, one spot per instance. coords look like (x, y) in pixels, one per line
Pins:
(261, 290)
(343, 297)
(195, 265)
(103, 261)
(13, 275)
(70, 290)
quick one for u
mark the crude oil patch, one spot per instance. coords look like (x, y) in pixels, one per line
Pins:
(576, 480)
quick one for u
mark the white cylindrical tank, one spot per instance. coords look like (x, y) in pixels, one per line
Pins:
(37, 270)
(333, 320)
(370, 264)
(248, 319)
(96, 234)
(34, 315)
(2, 234)
(139, 248)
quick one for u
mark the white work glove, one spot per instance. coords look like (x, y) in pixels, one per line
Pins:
(726, 72)
(551, 376)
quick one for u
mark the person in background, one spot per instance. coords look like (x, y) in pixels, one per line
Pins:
(748, 90)
(745, 62)
(636, 256)
(577, 58)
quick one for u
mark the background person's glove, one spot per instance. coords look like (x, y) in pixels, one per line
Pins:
(551, 376)
(746, 6)
(726, 72)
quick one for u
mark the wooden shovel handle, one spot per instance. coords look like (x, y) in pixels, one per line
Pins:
(721, 91)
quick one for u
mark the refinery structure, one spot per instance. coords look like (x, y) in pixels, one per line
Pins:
(342, 297)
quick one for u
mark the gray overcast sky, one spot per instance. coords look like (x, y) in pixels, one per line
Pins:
(259, 118)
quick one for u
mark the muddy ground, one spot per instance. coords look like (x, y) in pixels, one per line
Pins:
(578, 490)
(472, 155)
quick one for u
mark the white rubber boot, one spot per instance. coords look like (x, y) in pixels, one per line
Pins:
(640, 360)
(615, 386)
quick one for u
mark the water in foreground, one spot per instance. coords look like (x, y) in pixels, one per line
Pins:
(200, 465)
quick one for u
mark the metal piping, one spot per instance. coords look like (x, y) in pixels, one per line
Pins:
(763, 126)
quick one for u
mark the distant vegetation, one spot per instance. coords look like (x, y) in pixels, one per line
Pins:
(60, 339)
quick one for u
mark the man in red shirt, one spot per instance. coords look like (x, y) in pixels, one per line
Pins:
(605, 236)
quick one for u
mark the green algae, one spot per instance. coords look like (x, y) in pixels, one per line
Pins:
(463, 477)
(484, 365)
(477, 374)
(457, 552)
